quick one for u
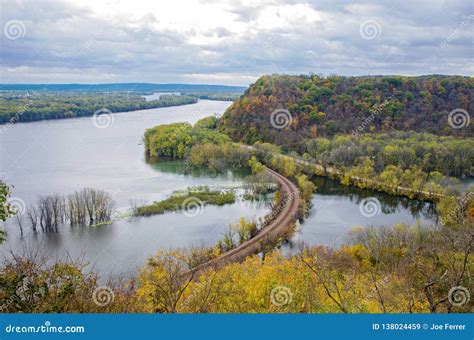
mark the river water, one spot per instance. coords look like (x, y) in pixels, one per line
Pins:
(62, 156)
(337, 209)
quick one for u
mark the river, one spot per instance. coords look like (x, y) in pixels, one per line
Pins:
(62, 156)
(337, 209)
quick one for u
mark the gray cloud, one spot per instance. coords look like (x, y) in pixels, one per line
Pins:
(66, 42)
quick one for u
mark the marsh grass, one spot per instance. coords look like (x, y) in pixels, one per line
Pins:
(177, 199)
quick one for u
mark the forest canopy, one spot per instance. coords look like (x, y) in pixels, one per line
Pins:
(325, 106)
(446, 155)
(175, 140)
(32, 106)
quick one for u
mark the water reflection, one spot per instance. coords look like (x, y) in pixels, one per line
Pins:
(336, 209)
(390, 204)
(122, 247)
(180, 167)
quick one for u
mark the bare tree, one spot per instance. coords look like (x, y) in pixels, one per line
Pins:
(33, 216)
(85, 207)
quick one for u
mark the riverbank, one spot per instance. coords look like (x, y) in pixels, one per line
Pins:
(26, 107)
(57, 155)
(345, 179)
(312, 168)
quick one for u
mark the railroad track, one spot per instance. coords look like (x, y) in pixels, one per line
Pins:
(275, 229)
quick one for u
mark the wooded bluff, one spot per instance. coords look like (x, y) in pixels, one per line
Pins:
(326, 106)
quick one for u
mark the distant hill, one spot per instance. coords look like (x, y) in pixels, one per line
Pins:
(122, 87)
(325, 106)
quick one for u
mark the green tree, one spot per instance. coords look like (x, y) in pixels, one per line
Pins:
(6, 209)
(306, 186)
(255, 165)
(284, 165)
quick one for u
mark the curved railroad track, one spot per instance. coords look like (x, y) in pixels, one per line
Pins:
(276, 228)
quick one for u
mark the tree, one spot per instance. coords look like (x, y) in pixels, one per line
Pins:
(35, 284)
(306, 186)
(164, 281)
(244, 229)
(255, 165)
(209, 122)
(284, 165)
(6, 210)
(391, 176)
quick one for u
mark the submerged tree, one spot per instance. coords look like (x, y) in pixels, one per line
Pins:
(51, 212)
(86, 207)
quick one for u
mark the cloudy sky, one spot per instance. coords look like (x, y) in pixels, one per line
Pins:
(230, 42)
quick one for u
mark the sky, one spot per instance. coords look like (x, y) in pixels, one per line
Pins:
(230, 42)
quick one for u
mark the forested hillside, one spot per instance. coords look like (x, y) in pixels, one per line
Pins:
(28, 107)
(324, 106)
